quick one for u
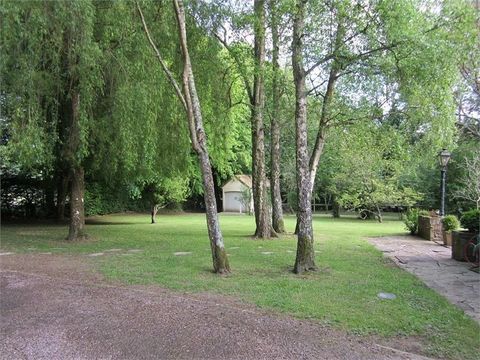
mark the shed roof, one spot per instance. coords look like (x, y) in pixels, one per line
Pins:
(244, 179)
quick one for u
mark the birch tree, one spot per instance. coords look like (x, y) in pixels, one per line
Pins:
(305, 258)
(187, 95)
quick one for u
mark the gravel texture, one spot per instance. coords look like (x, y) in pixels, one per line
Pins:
(58, 307)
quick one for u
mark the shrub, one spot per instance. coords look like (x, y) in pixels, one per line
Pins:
(411, 219)
(470, 220)
(450, 223)
(423, 213)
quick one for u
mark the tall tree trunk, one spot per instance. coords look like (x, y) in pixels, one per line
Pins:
(77, 176)
(305, 259)
(77, 213)
(259, 179)
(199, 144)
(277, 211)
(324, 115)
(189, 98)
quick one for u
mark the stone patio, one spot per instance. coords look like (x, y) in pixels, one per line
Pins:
(432, 263)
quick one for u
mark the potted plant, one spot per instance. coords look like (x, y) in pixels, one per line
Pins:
(470, 221)
(450, 223)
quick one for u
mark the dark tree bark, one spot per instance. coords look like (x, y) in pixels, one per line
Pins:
(77, 176)
(190, 101)
(77, 213)
(277, 211)
(256, 96)
(305, 259)
(259, 179)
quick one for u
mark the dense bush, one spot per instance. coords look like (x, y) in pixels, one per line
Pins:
(411, 219)
(470, 220)
(101, 199)
(450, 223)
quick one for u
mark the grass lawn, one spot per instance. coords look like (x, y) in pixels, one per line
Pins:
(342, 294)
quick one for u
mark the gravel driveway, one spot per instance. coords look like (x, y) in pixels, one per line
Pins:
(55, 307)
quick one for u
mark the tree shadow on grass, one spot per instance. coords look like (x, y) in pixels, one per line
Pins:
(97, 222)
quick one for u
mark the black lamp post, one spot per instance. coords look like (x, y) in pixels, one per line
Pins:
(443, 157)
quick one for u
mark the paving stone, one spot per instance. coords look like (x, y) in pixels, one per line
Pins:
(386, 296)
(432, 263)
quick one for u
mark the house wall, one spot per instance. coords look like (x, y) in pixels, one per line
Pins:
(232, 193)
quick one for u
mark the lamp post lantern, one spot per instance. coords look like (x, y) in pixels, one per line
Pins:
(443, 158)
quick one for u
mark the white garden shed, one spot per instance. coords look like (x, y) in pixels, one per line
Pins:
(236, 193)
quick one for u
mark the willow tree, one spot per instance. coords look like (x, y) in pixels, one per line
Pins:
(52, 91)
(187, 95)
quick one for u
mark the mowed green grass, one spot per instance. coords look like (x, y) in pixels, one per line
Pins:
(343, 293)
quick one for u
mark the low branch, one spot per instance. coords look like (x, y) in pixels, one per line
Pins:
(165, 68)
(248, 87)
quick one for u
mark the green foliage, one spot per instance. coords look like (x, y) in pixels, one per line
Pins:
(369, 162)
(450, 223)
(292, 200)
(101, 199)
(411, 220)
(470, 220)
(246, 200)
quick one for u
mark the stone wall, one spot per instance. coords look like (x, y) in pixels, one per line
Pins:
(430, 228)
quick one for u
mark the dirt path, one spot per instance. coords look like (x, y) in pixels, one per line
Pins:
(56, 307)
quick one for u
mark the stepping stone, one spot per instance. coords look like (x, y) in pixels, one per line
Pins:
(6, 253)
(387, 296)
(267, 252)
(113, 250)
(96, 254)
(135, 250)
(182, 253)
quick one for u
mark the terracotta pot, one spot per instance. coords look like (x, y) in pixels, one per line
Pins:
(447, 238)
